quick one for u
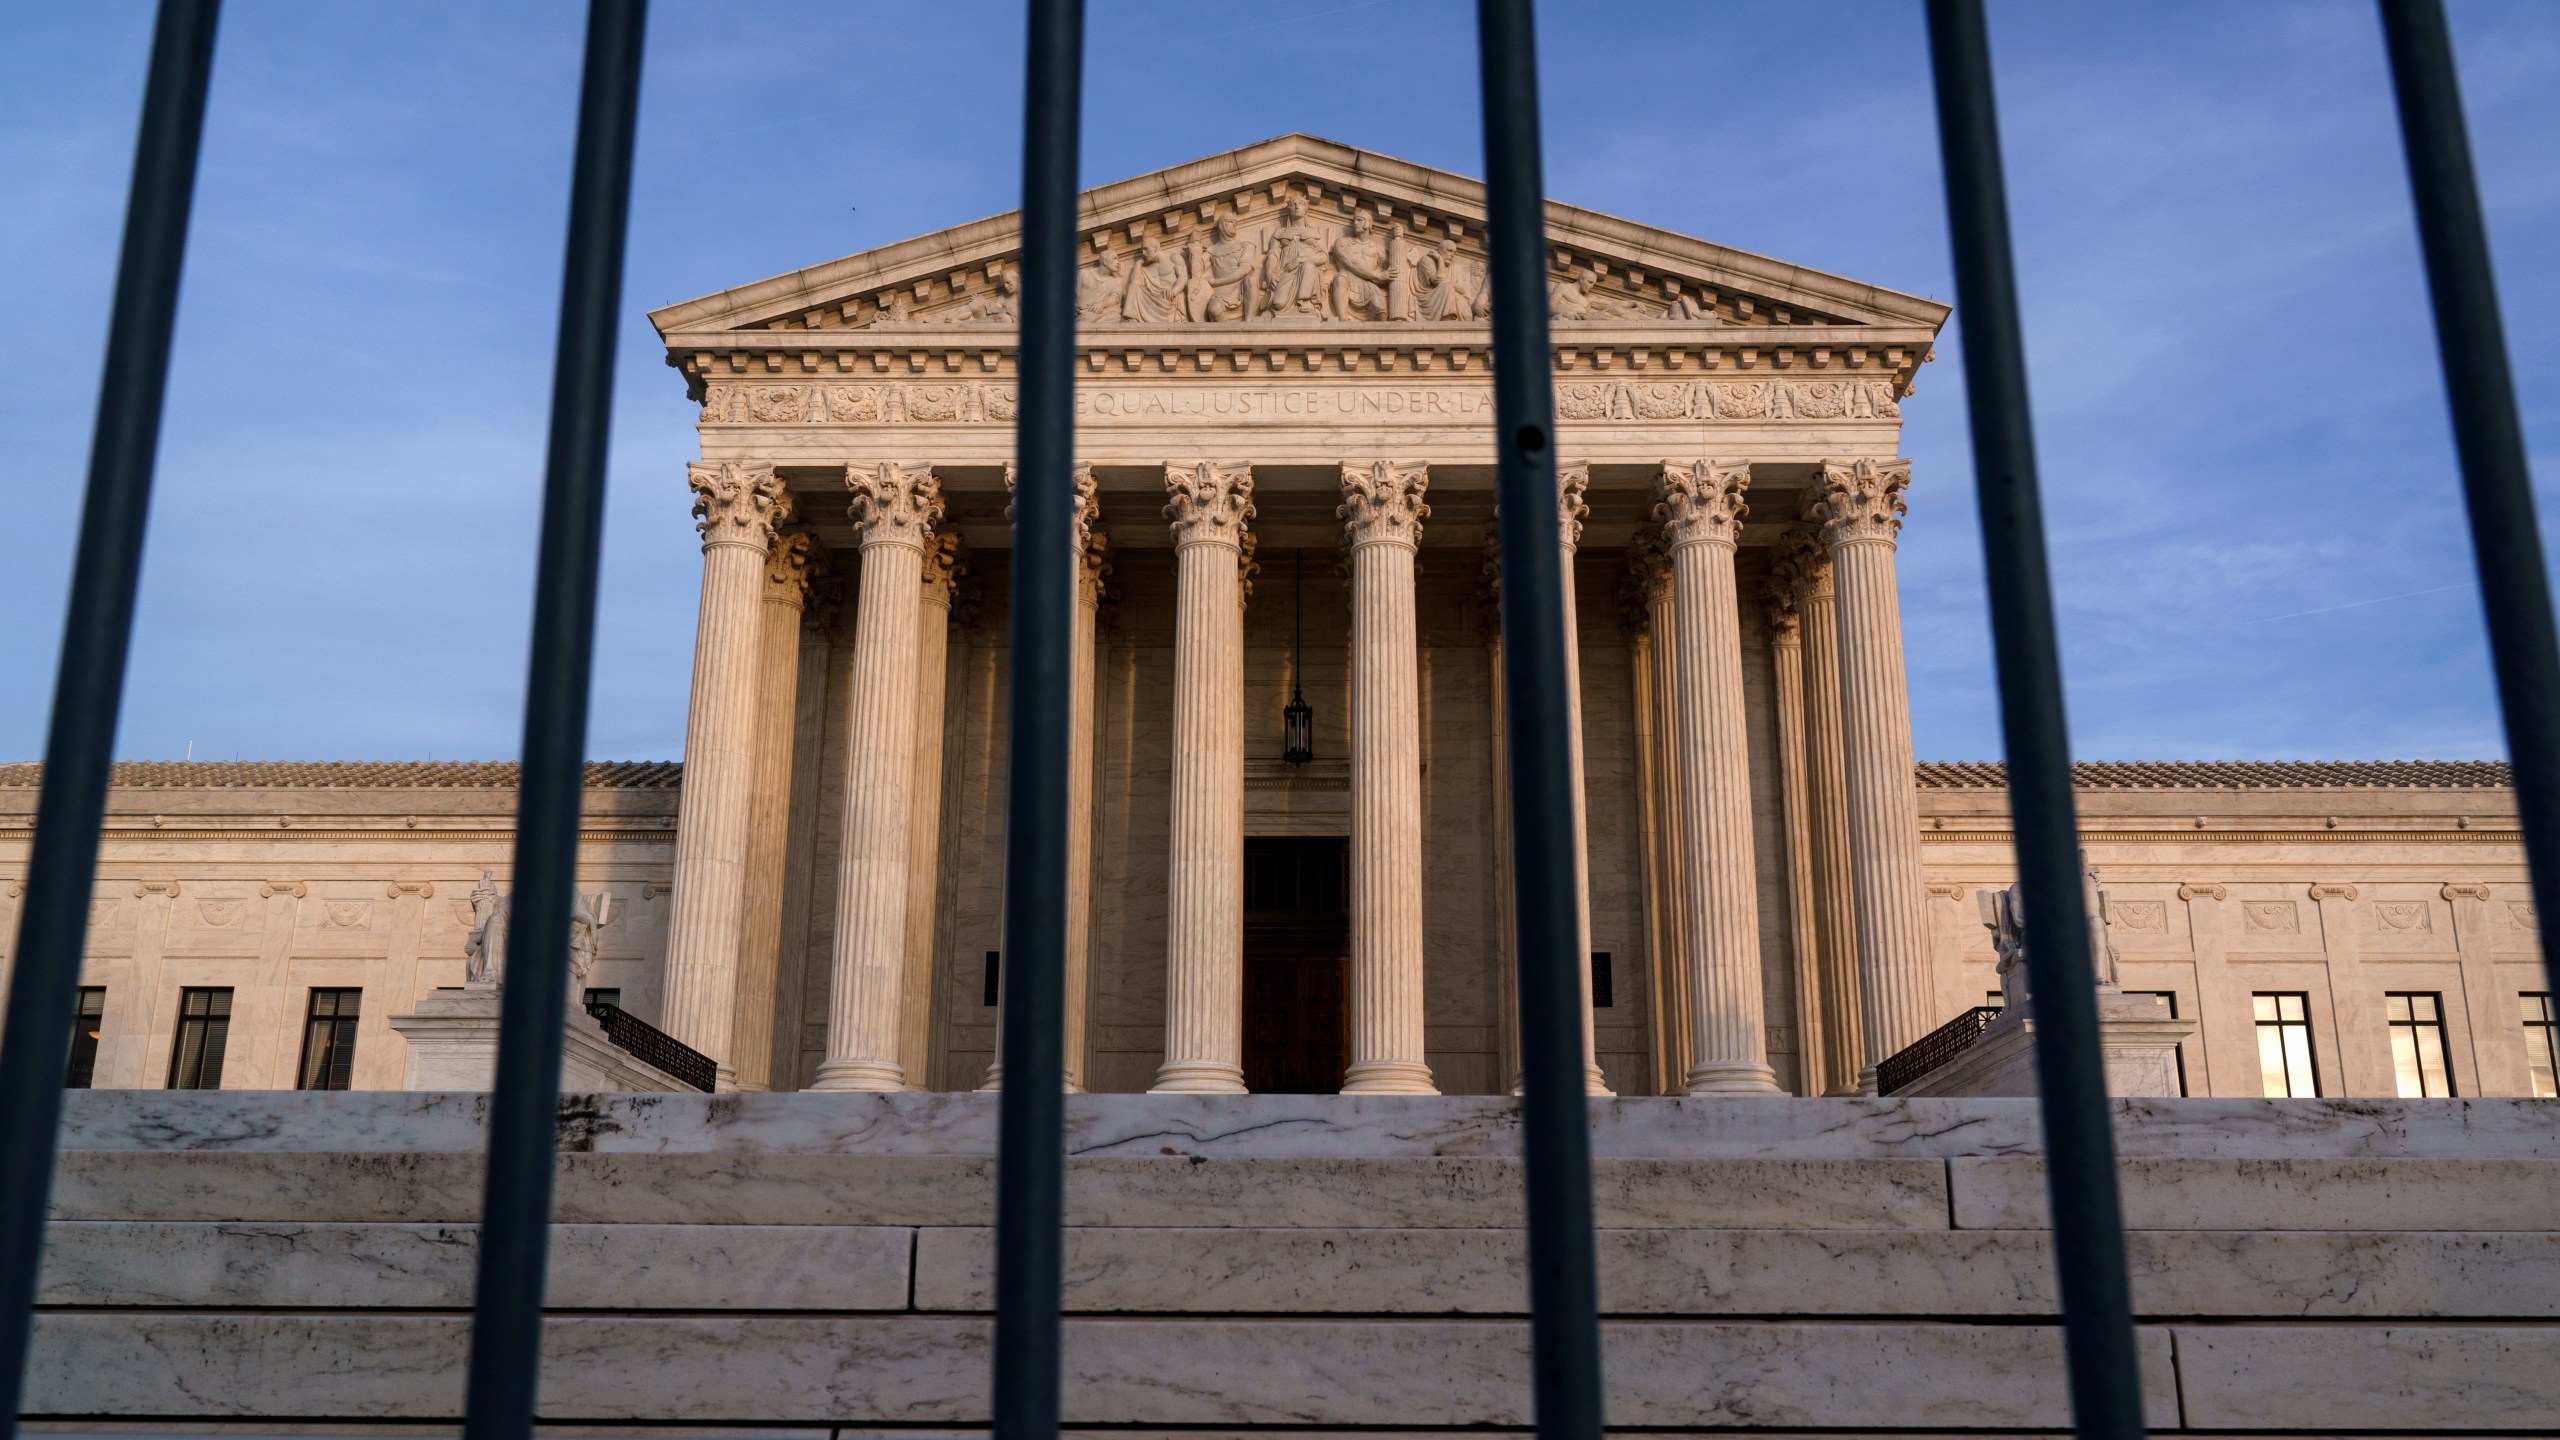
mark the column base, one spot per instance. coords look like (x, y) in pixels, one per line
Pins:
(1866, 1081)
(1732, 1077)
(1594, 1084)
(1198, 1077)
(867, 1075)
(724, 1079)
(995, 1082)
(1389, 1077)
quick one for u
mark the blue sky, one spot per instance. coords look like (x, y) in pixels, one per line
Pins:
(2258, 544)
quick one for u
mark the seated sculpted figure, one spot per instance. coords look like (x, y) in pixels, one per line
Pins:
(1447, 288)
(1360, 273)
(1100, 286)
(1225, 274)
(1158, 288)
(1293, 268)
(999, 305)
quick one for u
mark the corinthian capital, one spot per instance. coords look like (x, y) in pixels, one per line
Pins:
(1571, 482)
(894, 504)
(1862, 500)
(1087, 502)
(1701, 500)
(943, 564)
(736, 504)
(1208, 503)
(1382, 503)
(786, 569)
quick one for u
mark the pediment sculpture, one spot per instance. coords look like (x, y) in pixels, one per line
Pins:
(1288, 264)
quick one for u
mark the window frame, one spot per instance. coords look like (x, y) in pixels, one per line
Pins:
(2545, 1083)
(329, 1041)
(2283, 1024)
(211, 1026)
(88, 1027)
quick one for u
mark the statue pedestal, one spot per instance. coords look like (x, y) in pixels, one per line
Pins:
(453, 1045)
(2136, 1031)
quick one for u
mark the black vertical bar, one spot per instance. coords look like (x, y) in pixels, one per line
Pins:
(2080, 1161)
(515, 1212)
(97, 633)
(2515, 586)
(1564, 1295)
(1031, 1120)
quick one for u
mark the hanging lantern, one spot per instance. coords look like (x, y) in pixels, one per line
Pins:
(1297, 729)
(1298, 718)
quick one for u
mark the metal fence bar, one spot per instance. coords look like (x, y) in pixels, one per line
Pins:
(515, 1212)
(97, 634)
(2515, 586)
(2080, 1162)
(1564, 1293)
(1031, 1119)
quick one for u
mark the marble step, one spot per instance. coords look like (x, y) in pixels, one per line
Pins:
(1710, 1272)
(693, 1188)
(1988, 1192)
(935, 1370)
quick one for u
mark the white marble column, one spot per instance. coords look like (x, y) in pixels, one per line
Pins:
(1572, 483)
(1862, 513)
(1701, 514)
(736, 507)
(942, 569)
(1209, 506)
(786, 591)
(1827, 791)
(895, 507)
(1781, 595)
(1382, 514)
(1651, 563)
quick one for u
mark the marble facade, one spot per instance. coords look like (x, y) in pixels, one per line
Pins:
(1284, 412)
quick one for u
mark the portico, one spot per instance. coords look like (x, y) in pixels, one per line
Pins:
(1287, 485)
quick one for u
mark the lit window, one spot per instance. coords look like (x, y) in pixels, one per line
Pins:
(2542, 1043)
(329, 1040)
(2284, 1045)
(2417, 1045)
(204, 1031)
(85, 1025)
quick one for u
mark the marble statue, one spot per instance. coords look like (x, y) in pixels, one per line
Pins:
(484, 951)
(1293, 268)
(999, 305)
(1159, 287)
(1446, 284)
(1223, 274)
(1362, 273)
(1099, 288)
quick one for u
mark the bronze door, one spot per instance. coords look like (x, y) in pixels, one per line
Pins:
(1297, 966)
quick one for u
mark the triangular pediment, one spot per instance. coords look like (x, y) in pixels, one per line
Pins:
(1290, 232)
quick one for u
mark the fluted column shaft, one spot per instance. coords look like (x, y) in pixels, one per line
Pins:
(1209, 507)
(736, 507)
(896, 507)
(1662, 626)
(786, 590)
(1382, 513)
(940, 571)
(1080, 662)
(1701, 514)
(1786, 663)
(1827, 789)
(1863, 508)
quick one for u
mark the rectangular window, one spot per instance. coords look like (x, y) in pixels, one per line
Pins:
(995, 976)
(1604, 990)
(2284, 1045)
(2170, 999)
(1995, 999)
(2542, 1043)
(329, 1040)
(599, 996)
(85, 1025)
(204, 1030)
(2417, 1045)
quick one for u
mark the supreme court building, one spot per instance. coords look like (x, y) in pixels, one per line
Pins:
(1287, 866)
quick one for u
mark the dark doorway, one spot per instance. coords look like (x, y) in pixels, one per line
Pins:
(1297, 965)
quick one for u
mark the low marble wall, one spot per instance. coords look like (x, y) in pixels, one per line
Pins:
(1298, 1264)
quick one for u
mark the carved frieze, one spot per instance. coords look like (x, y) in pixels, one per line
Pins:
(748, 402)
